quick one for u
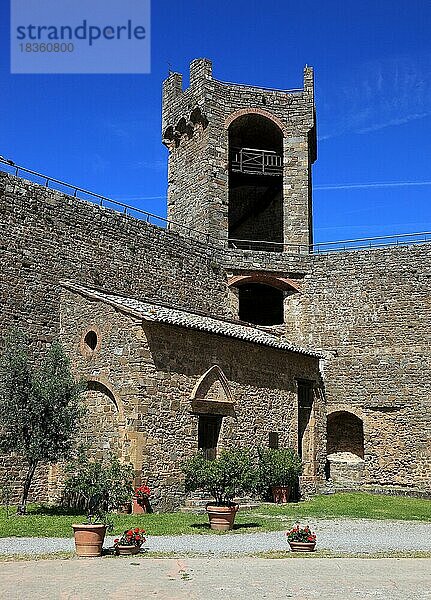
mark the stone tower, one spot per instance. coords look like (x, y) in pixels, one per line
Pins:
(240, 159)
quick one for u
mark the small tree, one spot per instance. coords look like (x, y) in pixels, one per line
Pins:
(233, 472)
(97, 486)
(39, 408)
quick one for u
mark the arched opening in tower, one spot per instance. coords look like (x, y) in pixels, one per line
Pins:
(255, 183)
(260, 304)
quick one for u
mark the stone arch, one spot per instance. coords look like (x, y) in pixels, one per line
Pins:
(181, 126)
(168, 134)
(97, 386)
(196, 115)
(103, 425)
(255, 111)
(255, 180)
(281, 283)
(98, 382)
(212, 386)
(345, 433)
(342, 407)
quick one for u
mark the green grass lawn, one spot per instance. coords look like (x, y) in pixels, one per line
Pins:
(355, 506)
(43, 521)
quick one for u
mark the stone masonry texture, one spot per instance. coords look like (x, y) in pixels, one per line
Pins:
(46, 236)
(367, 312)
(151, 370)
(195, 129)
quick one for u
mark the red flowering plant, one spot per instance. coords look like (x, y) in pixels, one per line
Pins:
(301, 534)
(131, 537)
(142, 492)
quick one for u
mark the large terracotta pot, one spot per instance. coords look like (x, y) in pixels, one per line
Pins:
(222, 517)
(280, 494)
(302, 546)
(89, 539)
(127, 550)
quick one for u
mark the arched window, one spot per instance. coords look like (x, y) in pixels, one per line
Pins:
(255, 183)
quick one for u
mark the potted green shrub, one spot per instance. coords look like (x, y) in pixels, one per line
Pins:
(96, 488)
(279, 470)
(232, 473)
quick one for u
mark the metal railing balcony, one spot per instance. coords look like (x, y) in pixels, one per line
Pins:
(368, 243)
(256, 162)
(8, 166)
(385, 241)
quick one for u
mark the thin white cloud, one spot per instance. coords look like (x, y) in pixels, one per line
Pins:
(399, 121)
(376, 184)
(377, 95)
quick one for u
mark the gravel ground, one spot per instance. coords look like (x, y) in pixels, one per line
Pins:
(359, 535)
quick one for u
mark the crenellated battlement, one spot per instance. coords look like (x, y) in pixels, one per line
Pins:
(209, 127)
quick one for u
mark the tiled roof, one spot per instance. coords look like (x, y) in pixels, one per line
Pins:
(172, 316)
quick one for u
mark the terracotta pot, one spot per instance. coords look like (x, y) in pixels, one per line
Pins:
(280, 494)
(127, 550)
(89, 539)
(302, 546)
(139, 506)
(221, 517)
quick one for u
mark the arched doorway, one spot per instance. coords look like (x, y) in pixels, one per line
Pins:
(345, 433)
(345, 448)
(260, 304)
(101, 432)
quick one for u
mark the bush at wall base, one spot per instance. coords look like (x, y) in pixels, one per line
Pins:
(279, 470)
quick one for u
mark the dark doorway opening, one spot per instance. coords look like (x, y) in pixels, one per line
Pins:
(255, 184)
(305, 406)
(273, 440)
(208, 434)
(261, 304)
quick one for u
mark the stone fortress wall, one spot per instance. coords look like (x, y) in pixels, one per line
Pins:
(47, 236)
(367, 311)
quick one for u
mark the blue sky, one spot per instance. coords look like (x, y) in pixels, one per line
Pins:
(372, 65)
